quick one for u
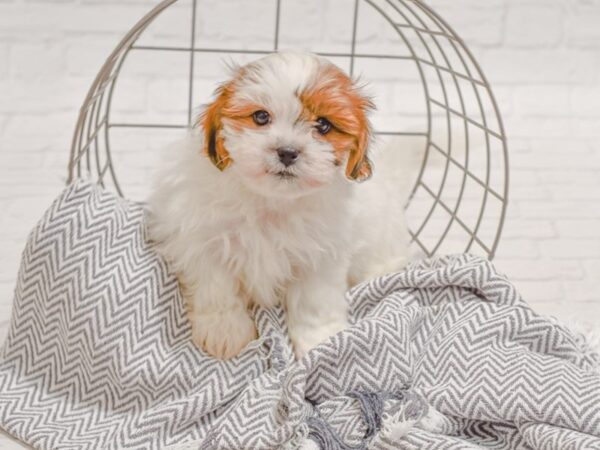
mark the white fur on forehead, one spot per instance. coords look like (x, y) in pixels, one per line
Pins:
(262, 81)
(300, 69)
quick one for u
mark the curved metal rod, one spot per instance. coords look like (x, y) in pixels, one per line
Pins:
(143, 23)
(192, 62)
(488, 150)
(418, 61)
(501, 128)
(466, 131)
(92, 136)
(118, 67)
(76, 149)
(353, 42)
(445, 95)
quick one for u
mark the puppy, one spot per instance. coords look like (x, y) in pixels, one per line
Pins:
(263, 204)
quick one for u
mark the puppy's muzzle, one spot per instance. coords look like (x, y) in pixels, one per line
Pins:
(287, 155)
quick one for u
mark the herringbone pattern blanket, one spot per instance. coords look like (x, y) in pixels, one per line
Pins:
(445, 355)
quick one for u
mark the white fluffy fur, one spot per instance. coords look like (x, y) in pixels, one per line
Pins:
(245, 236)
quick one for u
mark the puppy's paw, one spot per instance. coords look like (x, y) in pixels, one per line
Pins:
(305, 338)
(223, 334)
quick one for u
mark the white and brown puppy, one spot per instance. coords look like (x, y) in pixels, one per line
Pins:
(263, 206)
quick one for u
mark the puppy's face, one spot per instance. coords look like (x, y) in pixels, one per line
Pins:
(288, 124)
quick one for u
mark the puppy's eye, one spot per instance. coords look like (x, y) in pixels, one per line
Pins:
(323, 126)
(261, 117)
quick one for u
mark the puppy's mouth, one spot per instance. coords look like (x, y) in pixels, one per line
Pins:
(285, 175)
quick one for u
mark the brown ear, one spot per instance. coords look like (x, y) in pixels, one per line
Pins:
(211, 122)
(359, 166)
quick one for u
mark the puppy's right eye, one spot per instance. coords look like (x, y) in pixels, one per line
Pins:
(261, 117)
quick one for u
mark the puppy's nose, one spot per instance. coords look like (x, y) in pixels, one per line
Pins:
(287, 155)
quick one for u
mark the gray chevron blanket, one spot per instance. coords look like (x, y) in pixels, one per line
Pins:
(445, 355)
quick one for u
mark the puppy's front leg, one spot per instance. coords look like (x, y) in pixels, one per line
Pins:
(221, 323)
(316, 306)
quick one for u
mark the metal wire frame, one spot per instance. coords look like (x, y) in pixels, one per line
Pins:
(94, 120)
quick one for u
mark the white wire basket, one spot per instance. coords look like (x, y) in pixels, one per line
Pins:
(425, 81)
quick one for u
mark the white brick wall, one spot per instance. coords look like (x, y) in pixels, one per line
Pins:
(542, 57)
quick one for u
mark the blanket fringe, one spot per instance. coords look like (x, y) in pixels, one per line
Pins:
(411, 410)
(415, 413)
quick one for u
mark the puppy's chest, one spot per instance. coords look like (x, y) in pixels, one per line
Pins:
(271, 237)
(274, 245)
(266, 250)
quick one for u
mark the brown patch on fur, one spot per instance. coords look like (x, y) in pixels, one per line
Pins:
(221, 110)
(335, 97)
(211, 121)
(239, 116)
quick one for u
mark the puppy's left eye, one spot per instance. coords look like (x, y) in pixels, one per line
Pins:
(261, 117)
(323, 126)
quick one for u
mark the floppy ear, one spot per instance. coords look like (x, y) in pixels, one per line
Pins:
(359, 166)
(211, 122)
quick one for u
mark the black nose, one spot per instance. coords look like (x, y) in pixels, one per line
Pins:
(287, 155)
